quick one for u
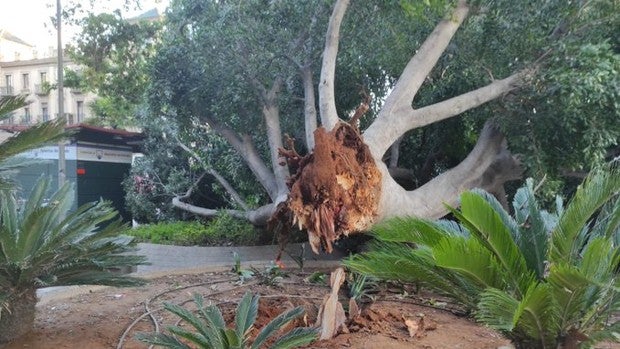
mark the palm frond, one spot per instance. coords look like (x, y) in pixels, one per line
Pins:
(398, 262)
(163, 340)
(534, 228)
(411, 230)
(472, 261)
(609, 333)
(568, 238)
(486, 225)
(215, 322)
(274, 325)
(192, 337)
(33, 137)
(11, 103)
(246, 313)
(498, 310)
(297, 337)
(539, 314)
(569, 287)
(188, 317)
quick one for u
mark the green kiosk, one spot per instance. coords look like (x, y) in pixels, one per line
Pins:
(96, 160)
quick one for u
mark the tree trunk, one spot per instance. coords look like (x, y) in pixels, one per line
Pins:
(18, 319)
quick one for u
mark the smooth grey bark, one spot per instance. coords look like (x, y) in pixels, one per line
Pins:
(488, 166)
(310, 118)
(387, 129)
(395, 153)
(218, 177)
(245, 148)
(271, 114)
(327, 99)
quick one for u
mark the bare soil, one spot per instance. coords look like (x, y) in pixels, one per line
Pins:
(107, 317)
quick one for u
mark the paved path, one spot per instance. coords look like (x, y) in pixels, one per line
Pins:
(168, 259)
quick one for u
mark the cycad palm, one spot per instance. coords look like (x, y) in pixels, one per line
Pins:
(544, 279)
(42, 243)
(211, 331)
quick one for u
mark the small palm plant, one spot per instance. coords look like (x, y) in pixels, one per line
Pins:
(43, 244)
(544, 279)
(211, 330)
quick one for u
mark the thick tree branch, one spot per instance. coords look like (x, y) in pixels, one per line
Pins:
(423, 62)
(258, 217)
(271, 113)
(310, 121)
(245, 148)
(488, 166)
(327, 100)
(223, 182)
(384, 132)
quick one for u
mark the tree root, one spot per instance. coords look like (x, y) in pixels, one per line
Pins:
(335, 190)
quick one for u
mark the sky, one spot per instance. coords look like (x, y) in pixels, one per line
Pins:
(30, 19)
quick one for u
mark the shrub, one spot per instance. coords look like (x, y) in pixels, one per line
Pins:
(223, 230)
(547, 280)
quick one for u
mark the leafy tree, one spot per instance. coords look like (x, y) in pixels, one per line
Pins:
(211, 331)
(43, 244)
(230, 71)
(235, 68)
(113, 52)
(545, 279)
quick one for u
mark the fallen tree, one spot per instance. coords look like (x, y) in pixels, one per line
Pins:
(343, 186)
(231, 77)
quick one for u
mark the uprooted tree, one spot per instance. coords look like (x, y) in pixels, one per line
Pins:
(342, 185)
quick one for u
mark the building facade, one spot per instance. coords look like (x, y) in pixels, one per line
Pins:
(25, 74)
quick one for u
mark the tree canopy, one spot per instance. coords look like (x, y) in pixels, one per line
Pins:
(230, 77)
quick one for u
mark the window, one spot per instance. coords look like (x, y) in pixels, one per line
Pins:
(26, 119)
(80, 111)
(25, 81)
(8, 85)
(45, 116)
(43, 76)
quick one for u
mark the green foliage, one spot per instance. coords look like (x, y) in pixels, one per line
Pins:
(211, 331)
(545, 279)
(114, 53)
(222, 230)
(43, 244)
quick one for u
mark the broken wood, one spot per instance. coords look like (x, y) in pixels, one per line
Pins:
(336, 189)
(331, 316)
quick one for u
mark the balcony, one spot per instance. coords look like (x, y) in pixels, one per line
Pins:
(25, 119)
(7, 91)
(18, 120)
(41, 90)
(69, 117)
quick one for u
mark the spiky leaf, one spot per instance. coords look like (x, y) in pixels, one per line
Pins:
(246, 313)
(276, 324)
(295, 338)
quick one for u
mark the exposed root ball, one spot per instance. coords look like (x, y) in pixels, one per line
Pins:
(336, 189)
